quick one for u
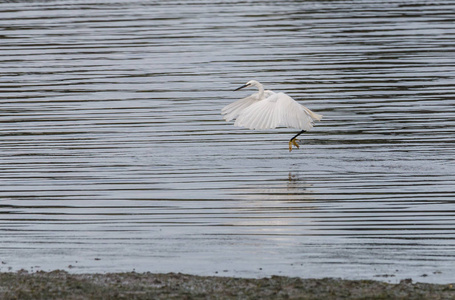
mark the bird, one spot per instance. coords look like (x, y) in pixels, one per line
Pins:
(266, 109)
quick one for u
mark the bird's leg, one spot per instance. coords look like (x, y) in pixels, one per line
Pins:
(293, 141)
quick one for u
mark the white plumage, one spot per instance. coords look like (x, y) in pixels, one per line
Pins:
(268, 110)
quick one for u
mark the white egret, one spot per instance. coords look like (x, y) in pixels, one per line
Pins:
(268, 110)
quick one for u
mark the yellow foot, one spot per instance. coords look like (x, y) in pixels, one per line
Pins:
(293, 142)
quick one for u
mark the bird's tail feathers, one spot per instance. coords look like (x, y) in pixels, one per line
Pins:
(314, 116)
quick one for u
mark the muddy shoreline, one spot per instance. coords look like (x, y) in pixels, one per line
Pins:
(63, 285)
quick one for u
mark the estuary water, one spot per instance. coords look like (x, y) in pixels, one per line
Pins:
(114, 155)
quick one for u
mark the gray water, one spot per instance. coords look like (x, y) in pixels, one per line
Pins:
(114, 155)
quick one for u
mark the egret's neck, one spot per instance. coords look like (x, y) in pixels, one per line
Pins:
(260, 88)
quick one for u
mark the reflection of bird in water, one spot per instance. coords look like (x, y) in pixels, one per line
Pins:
(296, 183)
(268, 110)
(292, 177)
(293, 189)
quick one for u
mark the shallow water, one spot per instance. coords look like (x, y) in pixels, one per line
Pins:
(114, 155)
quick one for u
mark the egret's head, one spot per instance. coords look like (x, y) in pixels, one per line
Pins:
(248, 84)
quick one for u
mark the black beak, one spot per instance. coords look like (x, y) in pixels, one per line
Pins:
(243, 86)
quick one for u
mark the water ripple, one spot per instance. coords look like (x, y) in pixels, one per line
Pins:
(113, 154)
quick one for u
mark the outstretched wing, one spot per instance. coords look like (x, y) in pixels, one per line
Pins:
(294, 115)
(234, 109)
(275, 111)
(260, 115)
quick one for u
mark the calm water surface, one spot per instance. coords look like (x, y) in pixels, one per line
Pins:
(114, 155)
